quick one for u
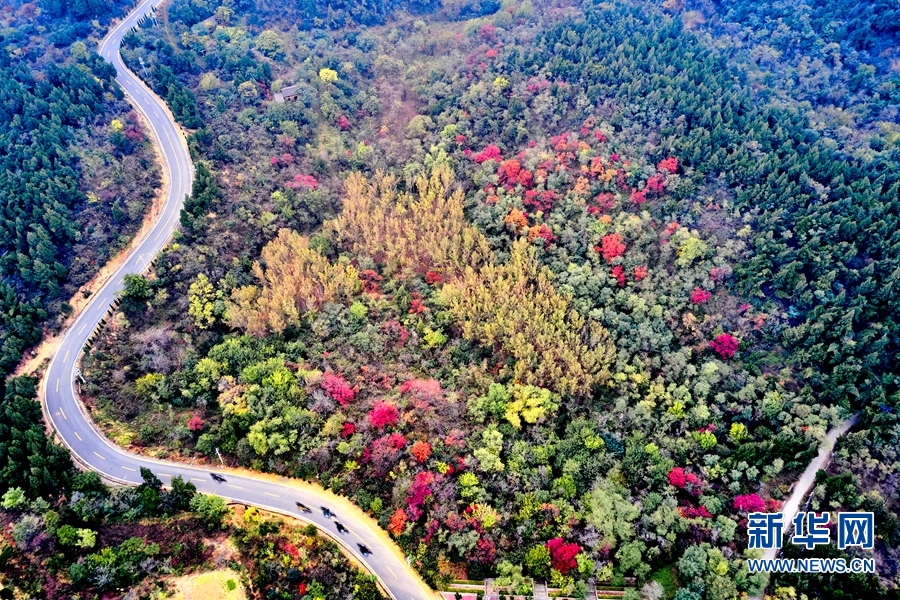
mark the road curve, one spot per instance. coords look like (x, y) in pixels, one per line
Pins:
(90, 447)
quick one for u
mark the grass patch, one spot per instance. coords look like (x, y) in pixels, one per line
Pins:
(667, 578)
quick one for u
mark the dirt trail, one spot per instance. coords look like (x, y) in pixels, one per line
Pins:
(805, 483)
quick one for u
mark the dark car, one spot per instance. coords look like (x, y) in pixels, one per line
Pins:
(328, 514)
(217, 478)
(364, 550)
(341, 528)
(303, 507)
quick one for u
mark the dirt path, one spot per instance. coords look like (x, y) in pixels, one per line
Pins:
(805, 483)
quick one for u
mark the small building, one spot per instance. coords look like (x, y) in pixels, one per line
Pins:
(287, 94)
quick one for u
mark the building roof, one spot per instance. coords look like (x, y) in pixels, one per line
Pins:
(288, 91)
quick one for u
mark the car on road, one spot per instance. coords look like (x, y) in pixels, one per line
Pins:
(364, 550)
(303, 507)
(217, 478)
(341, 528)
(328, 514)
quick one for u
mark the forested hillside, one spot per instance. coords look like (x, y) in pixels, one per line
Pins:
(551, 291)
(77, 169)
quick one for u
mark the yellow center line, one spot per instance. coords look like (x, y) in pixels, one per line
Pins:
(128, 468)
(64, 415)
(78, 436)
(237, 487)
(163, 474)
(98, 456)
(392, 573)
(273, 495)
(200, 480)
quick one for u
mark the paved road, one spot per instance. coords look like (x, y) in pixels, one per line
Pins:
(73, 425)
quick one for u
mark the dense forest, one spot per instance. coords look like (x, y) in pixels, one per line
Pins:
(77, 169)
(552, 291)
(557, 292)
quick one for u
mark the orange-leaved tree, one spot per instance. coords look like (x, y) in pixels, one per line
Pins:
(408, 234)
(516, 309)
(296, 280)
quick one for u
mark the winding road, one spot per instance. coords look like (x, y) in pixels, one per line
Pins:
(73, 425)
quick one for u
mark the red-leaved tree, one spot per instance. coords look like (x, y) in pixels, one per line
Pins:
(562, 555)
(397, 522)
(383, 414)
(699, 295)
(338, 388)
(669, 164)
(749, 503)
(491, 152)
(421, 450)
(725, 345)
(677, 477)
(611, 246)
(640, 272)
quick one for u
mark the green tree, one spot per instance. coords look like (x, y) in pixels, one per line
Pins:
(211, 509)
(204, 192)
(136, 291)
(366, 587)
(537, 561)
(28, 458)
(270, 43)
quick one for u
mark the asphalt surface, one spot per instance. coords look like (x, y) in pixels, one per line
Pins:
(77, 431)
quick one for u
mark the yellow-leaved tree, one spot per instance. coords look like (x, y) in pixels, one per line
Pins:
(408, 234)
(515, 308)
(296, 280)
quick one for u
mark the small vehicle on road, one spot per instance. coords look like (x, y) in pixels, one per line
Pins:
(364, 550)
(217, 478)
(303, 507)
(341, 528)
(328, 514)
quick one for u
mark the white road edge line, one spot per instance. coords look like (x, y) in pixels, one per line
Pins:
(177, 175)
